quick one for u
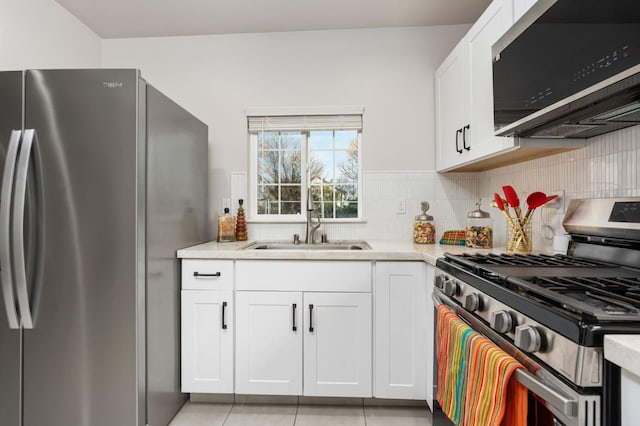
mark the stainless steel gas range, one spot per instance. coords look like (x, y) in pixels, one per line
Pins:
(551, 312)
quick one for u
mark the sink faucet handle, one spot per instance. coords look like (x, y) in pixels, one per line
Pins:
(296, 239)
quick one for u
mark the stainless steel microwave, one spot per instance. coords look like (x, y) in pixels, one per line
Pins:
(569, 69)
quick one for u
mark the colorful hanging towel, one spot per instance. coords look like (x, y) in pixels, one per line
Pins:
(474, 376)
(452, 336)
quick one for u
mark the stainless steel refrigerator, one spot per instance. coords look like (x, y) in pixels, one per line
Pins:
(103, 179)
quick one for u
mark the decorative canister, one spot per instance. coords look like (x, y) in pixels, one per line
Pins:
(479, 232)
(424, 232)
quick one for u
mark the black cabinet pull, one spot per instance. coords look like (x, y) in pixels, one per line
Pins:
(458, 150)
(464, 137)
(310, 318)
(224, 305)
(198, 274)
(293, 308)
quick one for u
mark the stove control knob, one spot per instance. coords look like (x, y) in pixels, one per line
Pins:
(440, 280)
(528, 338)
(451, 288)
(471, 302)
(501, 321)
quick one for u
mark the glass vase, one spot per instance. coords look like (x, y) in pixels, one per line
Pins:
(519, 238)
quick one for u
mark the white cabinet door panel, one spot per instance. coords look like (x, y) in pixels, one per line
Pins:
(337, 346)
(207, 347)
(400, 330)
(268, 349)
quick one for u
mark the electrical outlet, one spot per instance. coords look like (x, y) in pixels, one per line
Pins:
(401, 206)
(557, 203)
(226, 204)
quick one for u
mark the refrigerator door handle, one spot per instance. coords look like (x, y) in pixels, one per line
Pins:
(5, 227)
(17, 235)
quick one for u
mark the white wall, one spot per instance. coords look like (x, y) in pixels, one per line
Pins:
(42, 34)
(388, 71)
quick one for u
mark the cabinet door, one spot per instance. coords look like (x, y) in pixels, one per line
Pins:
(451, 108)
(269, 343)
(491, 25)
(207, 341)
(337, 344)
(401, 333)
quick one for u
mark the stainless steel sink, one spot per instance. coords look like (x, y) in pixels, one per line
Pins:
(339, 245)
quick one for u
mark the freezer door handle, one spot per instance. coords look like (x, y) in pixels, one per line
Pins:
(20, 270)
(5, 227)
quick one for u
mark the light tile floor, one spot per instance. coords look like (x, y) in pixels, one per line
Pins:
(210, 414)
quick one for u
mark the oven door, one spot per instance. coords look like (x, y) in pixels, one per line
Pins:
(562, 404)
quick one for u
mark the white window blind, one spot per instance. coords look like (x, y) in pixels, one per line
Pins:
(305, 122)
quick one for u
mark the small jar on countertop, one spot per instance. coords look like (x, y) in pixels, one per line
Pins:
(424, 232)
(479, 231)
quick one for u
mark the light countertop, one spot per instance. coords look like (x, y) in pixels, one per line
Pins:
(380, 250)
(624, 351)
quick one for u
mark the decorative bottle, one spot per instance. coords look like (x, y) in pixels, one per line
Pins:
(241, 223)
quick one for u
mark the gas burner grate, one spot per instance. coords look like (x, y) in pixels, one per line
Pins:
(626, 290)
(476, 261)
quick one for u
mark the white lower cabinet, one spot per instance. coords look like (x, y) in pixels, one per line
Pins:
(401, 330)
(276, 331)
(337, 344)
(269, 343)
(207, 341)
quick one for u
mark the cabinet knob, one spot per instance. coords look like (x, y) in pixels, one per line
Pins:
(501, 321)
(528, 338)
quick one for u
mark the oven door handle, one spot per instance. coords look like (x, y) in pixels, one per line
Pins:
(566, 405)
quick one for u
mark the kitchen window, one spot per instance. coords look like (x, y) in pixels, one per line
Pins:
(291, 153)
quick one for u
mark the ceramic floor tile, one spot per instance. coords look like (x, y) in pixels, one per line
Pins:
(201, 414)
(261, 415)
(330, 415)
(397, 416)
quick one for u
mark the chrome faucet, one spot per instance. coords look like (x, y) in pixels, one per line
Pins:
(311, 227)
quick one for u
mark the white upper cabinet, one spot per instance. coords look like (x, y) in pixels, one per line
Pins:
(452, 107)
(493, 23)
(465, 136)
(464, 93)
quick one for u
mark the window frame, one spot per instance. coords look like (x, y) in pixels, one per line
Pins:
(305, 184)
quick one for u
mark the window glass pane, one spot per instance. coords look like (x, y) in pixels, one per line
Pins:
(321, 166)
(267, 140)
(291, 140)
(326, 211)
(290, 207)
(346, 166)
(321, 139)
(291, 193)
(345, 138)
(291, 167)
(268, 170)
(346, 201)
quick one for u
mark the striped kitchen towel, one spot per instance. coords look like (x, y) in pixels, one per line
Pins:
(474, 375)
(452, 336)
(489, 372)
